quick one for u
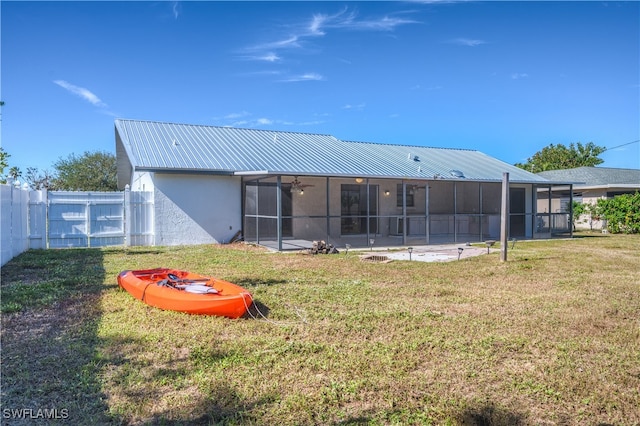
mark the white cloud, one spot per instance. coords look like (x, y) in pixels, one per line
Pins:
(384, 24)
(318, 27)
(310, 76)
(175, 8)
(269, 57)
(348, 20)
(358, 107)
(316, 24)
(338, 20)
(309, 123)
(236, 115)
(518, 75)
(461, 41)
(85, 94)
(244, 119)
(286, 43)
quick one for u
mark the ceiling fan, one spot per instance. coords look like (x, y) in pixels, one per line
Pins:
(416, 184)
(297, 186)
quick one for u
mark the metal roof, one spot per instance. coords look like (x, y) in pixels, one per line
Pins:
(158, 146)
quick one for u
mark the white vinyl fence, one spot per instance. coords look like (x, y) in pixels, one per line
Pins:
(41, 219)
(14, 234)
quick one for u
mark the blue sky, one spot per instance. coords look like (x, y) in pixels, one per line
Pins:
(504, 78)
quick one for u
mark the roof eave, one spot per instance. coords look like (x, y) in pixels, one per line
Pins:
(266, 173)
(172, 170)
(611, 186)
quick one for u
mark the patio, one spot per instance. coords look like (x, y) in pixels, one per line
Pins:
(418, 253)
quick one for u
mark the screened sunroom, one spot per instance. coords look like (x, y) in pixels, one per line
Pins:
(290, 212)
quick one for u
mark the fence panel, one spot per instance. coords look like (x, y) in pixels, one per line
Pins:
(67, 223)
(86, 219)
(38, 219)
(14, 230)
(100, 219)
(139, 213)
(5, 223)
(61, 219)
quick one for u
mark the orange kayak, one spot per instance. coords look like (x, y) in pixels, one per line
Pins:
(183, 291)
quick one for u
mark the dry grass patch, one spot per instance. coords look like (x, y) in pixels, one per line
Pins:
(549, 337)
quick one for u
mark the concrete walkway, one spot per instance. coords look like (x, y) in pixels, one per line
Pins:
(420, 253)
(430, 253)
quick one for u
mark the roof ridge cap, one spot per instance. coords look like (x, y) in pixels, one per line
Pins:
(223, 127)
(410, 146)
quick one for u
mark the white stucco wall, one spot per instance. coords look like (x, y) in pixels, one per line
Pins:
(586, 221)
(196, 209)
(312, 203)
(142, 181)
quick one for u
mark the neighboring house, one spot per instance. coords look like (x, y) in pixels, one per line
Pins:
(590, 185)
(286, 189)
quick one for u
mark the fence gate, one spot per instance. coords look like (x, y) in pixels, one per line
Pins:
(85, 219)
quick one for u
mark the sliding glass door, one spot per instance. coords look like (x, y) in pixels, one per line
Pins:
(357, 209)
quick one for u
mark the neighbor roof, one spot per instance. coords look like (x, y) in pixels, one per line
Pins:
(592, 177)
(170, 147)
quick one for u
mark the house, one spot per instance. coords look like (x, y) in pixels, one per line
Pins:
(286, 189)
(590, 185)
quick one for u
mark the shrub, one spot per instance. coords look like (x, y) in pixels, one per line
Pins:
(622, 213)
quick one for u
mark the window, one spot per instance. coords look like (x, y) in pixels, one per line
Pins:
(410, 199)
(517, 209)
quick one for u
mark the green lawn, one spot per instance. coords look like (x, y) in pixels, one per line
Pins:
(550, 337)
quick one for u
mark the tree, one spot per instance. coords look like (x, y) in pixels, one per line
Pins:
(578, 210)
(14, 173)
(37, 180)
(4, 163)
(92, 171)
(557, 157)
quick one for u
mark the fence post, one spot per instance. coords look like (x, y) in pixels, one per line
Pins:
(45, 217)
(38, 219)
(87, 220)
(6, 204)
(504, 217)
(127, 216)
(19, 206)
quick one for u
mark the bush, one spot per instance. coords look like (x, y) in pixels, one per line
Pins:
(622, 213)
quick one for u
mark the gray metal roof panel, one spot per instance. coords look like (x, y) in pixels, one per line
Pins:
(168, 146)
